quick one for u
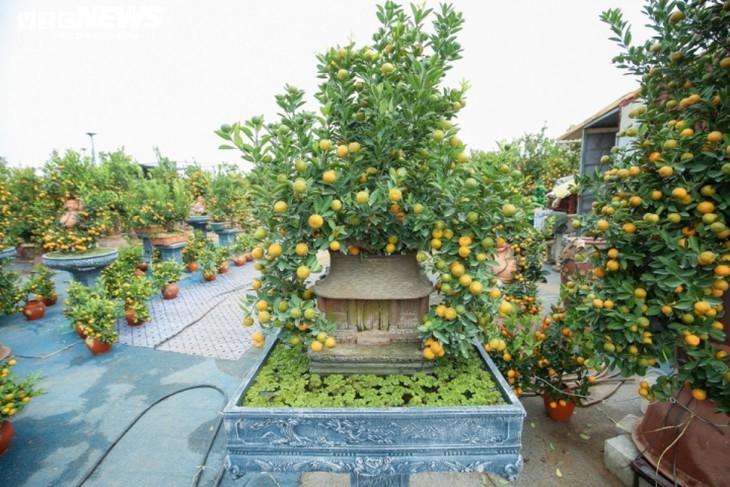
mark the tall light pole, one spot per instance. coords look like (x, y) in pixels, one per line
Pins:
(93, 152)
(83, 152)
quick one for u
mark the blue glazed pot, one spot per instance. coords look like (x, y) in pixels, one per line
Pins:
(376, 446)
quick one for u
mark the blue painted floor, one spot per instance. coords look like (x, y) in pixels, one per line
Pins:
(145, 417)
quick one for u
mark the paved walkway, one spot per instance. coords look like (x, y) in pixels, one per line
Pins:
(145, 415)
(205, 319)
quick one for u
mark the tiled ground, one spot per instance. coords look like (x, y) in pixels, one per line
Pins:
(205, 319)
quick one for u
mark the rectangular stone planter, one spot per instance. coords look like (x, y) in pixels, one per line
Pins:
(376, 446)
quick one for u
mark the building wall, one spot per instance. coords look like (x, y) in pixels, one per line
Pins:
(594, 146)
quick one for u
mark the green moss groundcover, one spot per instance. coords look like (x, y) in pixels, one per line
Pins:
(285, 381)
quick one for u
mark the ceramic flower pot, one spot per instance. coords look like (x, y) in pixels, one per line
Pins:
(143, 266)
(558, 410)
(209, 277)
(170, 290)
(96, 346)
(7, 431)
(49, 301)
(687, 438)
(223, 268)
(239, 260)
(504, 270)
(129, 315)
(192, 267)
(34, 309)
(80, 332)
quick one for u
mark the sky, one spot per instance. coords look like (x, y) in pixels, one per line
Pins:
(167, 73)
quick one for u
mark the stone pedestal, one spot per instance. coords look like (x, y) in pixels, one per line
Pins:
(146, 245)
(227, 237)
(199, 223)
(172, 251)
(8, 253)
(84, 267)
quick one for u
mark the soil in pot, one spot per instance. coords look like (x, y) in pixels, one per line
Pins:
(34, 309)
(170, 290)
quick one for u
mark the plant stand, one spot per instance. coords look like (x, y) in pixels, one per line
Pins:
(376, 446)
(146, 245)
(172, 251)
(227, 237)
(199, 223)
(84, 267)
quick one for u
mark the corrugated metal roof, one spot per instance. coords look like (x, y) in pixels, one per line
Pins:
(576, 133)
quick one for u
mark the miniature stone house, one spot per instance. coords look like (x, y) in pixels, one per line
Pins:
(375, 300)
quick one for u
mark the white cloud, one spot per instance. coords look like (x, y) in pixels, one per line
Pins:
(167, 73)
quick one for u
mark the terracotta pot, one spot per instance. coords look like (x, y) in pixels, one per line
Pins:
(164, 239)
(505, 267)
(80, 332)
(96, 346)
(170, 290)
(34, 309)
(249, 256)
(560, 413)
(223, 267)
(192, 267)
(138, 272)
(49, 301)
(239, 260)
(695, 456)
(129, 315)
(209, 277)
(143, 266)
(7, 431)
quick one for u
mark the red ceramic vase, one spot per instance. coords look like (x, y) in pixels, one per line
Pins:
(505, 267)
(80, 332)
(49, 301)
(34, 309)
(192, 267)
(129, 316)
(170, 290)
(7, 431)
(560, 412)
(239, 260)
(96, 346)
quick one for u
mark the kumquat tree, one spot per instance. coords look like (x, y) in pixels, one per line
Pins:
(379, 170)
(663, 208)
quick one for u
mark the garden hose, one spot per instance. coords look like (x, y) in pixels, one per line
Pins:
(197, 320)
(196, 478)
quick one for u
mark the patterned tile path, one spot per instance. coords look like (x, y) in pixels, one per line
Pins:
(205, 319)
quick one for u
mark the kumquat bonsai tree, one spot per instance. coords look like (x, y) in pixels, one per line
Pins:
(663, 208)
(379, 169)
